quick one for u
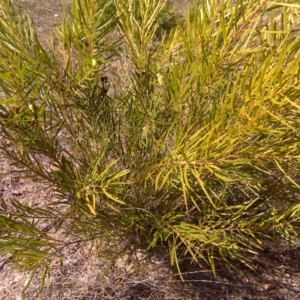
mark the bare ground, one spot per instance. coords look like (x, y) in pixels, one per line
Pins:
(96, 272)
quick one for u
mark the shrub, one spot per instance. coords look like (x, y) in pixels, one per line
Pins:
(194, 145)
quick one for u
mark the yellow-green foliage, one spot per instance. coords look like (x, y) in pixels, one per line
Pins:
(195, 147)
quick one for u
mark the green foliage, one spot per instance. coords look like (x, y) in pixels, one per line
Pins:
(166, 19)
(195, 146)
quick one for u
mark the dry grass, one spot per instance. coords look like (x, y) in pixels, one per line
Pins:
(112, 271)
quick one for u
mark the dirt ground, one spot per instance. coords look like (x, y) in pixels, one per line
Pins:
(90, 274)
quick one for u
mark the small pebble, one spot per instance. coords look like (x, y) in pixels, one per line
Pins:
(15, 193)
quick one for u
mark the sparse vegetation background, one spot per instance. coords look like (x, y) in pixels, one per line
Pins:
(153, 130)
